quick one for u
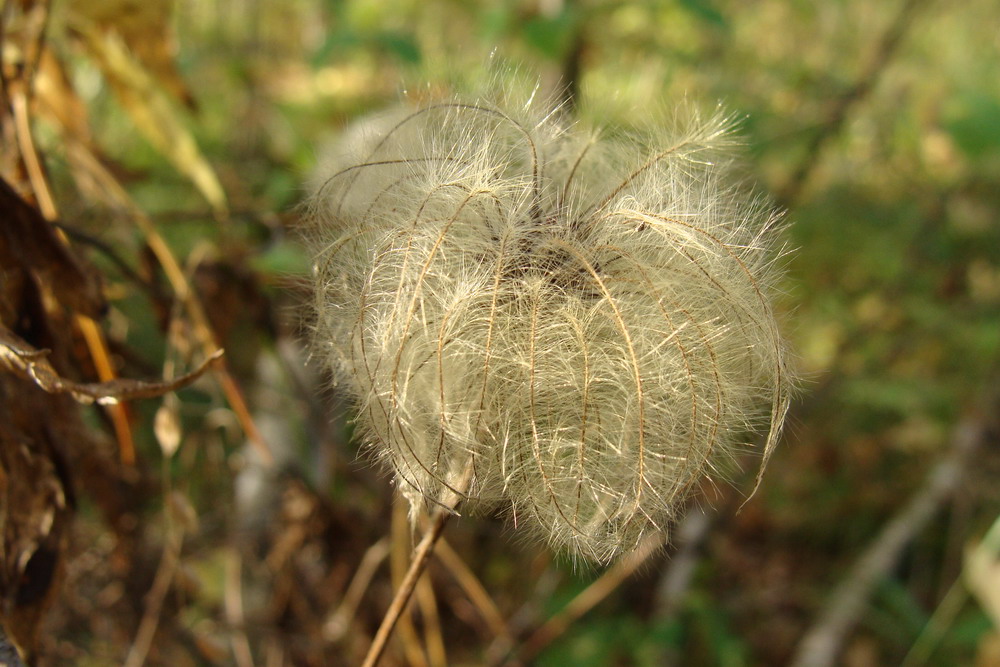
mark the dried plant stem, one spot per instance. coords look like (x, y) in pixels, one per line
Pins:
(234, 611)
(399, 560)
(32, 163)
(88, 327)
(589, 598)
(338, 623)
(942, 618)
(106, 373)
(402, 597)
(182, 288)
(154, 601)
(417, 566)
(475, 591)
(437, 656)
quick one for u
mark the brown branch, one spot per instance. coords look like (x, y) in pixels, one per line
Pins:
(19, 356)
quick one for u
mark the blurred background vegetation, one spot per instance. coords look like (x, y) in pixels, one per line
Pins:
(186, 129)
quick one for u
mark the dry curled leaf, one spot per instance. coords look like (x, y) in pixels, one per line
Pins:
(21, 357)
(167, 425)
(35, 504)
(29, 244)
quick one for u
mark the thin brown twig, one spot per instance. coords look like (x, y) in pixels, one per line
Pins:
(399, 556)
(92, 333)
(437, 656)
(154, 601)
(474, 590)
(338, 623)
(402, 597)
(420, 556)
(588, 598)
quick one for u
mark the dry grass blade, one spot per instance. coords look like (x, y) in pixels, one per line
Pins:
(105, 371)
(339, 622)
(151, 111)
(120, 198)
(474, 590)
(982, 572)
(589, 598)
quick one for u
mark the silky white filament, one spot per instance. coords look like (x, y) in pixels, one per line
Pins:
(583, 320)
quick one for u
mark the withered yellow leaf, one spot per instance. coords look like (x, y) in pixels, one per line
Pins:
(150, 109)
(145, 27)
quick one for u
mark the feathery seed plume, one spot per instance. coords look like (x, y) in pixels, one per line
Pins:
(535, 316)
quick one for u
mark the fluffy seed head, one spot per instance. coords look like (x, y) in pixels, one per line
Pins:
(582, 321)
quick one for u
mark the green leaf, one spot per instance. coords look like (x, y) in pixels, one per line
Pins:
(282, 259)
(552, 35)
(973, 120)
(336, 43)
(400, 45)
(704, 10)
